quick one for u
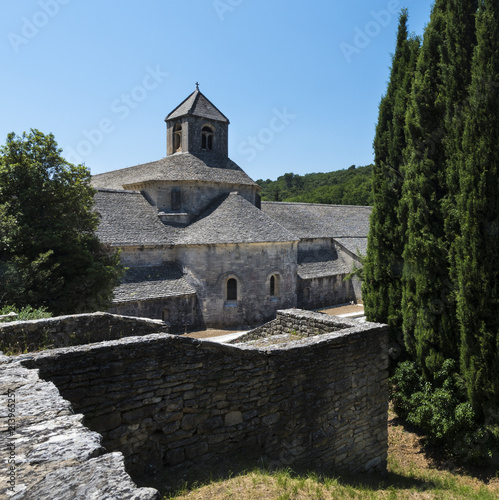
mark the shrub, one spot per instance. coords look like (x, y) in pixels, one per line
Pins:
(24, 314)
(440, 410)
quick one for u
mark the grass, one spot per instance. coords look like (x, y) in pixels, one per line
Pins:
(413, 473)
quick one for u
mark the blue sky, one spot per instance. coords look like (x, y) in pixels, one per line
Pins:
(300, 81)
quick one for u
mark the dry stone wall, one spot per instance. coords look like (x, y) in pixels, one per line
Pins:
(167, 401)
(46, 450)
(78, 329)
(298, 322)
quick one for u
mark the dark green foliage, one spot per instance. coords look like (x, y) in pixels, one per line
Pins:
(446, 227)
(477, 249)
(429, 315)
(439, 408)
(383, 267)
(49, 254)
(425, 249)
(350, 186)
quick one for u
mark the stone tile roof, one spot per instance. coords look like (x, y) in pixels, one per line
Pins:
(310, 220)
(232, 219)
(147, 283)
(198, 105)
(357, 246)
(126, 218)
(321, 263)
(205, 167)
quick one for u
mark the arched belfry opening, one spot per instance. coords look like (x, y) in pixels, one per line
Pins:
(196, 126)
(207, 138)
(177, 138)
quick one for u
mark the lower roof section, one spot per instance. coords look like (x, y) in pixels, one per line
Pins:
(149, 283)
(310, 220)
(321, 263)
(356, 246)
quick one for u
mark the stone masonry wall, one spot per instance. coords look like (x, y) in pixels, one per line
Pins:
(165, 401)
(47, 452)
(78, 329)
(251, 264)
(298, 321)
(325, 291)
(181, 313)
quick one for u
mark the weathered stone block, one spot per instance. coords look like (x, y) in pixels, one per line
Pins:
(233, 418)
(191, 421)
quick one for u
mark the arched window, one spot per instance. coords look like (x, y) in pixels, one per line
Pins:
(207, 137)
(177, 138)
(231, 289)
(274, 285)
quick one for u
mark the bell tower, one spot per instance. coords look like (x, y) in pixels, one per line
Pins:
(197, 126)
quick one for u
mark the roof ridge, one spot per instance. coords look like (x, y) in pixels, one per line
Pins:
(121, 191)
(312, 204)
(181, 104)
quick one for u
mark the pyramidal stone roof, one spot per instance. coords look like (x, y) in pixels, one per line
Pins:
(127, 219)
(233, 219)
(205, 167)
(198, 105)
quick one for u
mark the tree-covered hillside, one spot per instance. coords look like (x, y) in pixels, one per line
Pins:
(351, 186)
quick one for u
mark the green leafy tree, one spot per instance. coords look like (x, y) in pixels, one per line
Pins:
(49, 253)
(477, 249)
(383, 266)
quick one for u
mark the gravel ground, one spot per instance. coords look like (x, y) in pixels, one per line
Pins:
(334, 311)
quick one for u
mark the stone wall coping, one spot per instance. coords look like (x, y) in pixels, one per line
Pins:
(78, 329)
(334, 321)
(342, 330)
(62, 319)
(346, 336)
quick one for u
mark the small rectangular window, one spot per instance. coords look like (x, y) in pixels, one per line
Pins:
(176, 199)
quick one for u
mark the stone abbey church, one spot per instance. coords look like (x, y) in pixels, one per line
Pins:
(201, 247)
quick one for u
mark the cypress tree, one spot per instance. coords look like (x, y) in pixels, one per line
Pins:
(460, 33)
(477, 262)
(383, 265)
(429, 316)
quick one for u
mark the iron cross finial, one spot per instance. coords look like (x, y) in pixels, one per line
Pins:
(197, 86)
